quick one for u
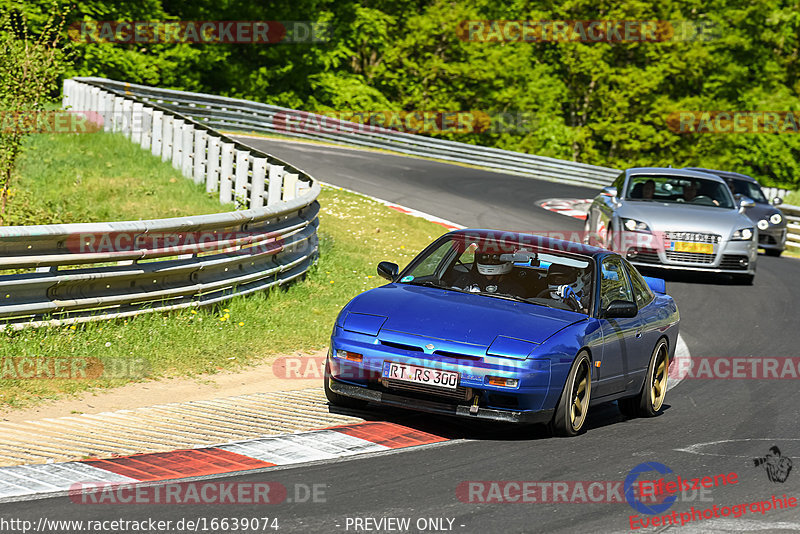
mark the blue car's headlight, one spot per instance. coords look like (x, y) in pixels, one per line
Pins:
(775, 218)
(743, 234)
(632, 225)
(362, 323)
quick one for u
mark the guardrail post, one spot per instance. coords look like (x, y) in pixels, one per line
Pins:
(226, 174)
(200, 137)
(242, 174)
(146, 127)
(66, 92)
(94, 101)
(127, 117)
(212, 172)
(166, 137)
(275, 184)
(79, 97)
(118, 113)
(108, 105)
(290, 186)
(187, 149)
(136, 122)
(257, 187)
(177, 138)
(157, 132)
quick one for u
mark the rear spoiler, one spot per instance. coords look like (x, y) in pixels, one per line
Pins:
(658, 285)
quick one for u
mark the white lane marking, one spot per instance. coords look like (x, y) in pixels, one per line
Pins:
(695, 449)
(305, 447)
(21, 480)
(681, 353)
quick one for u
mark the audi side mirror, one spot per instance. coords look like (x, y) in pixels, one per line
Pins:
(388, 270)
(745, 203)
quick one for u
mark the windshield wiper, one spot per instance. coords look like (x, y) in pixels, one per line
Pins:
(517, 298)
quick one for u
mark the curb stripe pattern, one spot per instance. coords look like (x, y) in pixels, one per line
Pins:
(336, 442)
(571, 207)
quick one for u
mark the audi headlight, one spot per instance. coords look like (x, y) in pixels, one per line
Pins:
(776, 218)
(632, 225)
(763, 224)
(744, 234)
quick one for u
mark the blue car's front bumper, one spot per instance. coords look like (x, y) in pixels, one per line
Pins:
(530, 401)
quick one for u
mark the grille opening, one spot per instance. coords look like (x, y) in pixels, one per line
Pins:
(734, 261)
(503, 401)
(425, 391)
(401, 346)
(456, 355)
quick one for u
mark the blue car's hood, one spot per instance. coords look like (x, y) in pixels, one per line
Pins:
(460, 317)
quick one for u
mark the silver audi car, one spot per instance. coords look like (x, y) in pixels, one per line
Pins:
(675, 219)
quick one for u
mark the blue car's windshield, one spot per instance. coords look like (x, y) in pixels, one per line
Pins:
(679, 190)
(505, 270)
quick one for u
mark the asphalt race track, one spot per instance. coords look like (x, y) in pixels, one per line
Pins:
(709, 427)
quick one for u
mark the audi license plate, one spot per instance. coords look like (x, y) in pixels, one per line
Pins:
(420, 375)
(686, 246)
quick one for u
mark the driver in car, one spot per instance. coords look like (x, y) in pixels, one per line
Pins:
(567, 284)
(490, 274)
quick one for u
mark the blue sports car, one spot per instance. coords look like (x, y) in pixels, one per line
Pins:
(509, 327)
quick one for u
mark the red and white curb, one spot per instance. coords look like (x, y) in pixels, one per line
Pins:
(403, 209)
(571, 207)
(24, 482)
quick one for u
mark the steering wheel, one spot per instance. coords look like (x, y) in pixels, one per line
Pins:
(543, 293)
(702, 199)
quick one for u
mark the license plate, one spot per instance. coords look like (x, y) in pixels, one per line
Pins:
(686, 246)
(420, 375)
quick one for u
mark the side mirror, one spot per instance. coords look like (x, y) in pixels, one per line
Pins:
(388, 270)
(609, 191)
(746, 202)
(620, 309)
(776, 201)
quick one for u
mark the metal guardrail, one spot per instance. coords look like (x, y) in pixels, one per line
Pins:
(245, 116)
(792, 214)
(92, 271)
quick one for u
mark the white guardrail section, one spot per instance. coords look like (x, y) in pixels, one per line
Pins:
(245, 116)
(92, 271)
(792, 214)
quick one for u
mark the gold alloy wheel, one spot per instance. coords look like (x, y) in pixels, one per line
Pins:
(580, 396)
(658, 382)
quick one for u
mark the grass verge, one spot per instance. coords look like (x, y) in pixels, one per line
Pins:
(355, 233)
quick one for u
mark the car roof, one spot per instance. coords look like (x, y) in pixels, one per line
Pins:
(670, 171)
(726, 174)
(534, 240)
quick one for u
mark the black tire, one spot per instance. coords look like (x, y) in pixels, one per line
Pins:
(340, 400)
(575, 396)
(773, 252)
(651, 397)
